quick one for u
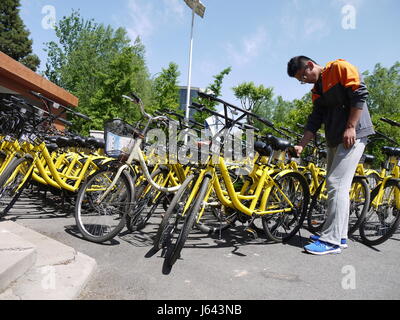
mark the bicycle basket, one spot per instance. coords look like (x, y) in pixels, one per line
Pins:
(119, 138)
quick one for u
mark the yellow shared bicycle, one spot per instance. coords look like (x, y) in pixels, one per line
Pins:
(278, 197)
(383, 217)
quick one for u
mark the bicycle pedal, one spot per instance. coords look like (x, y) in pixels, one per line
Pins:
(221, 241)
(251, 232)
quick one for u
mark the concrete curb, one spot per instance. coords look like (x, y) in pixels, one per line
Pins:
(58, 272)
(17, 256)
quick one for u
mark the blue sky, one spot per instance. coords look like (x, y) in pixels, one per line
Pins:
(255, 37)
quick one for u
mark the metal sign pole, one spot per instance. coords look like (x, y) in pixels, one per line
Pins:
(190, 69)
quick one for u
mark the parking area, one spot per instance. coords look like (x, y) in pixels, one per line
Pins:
(233, 266)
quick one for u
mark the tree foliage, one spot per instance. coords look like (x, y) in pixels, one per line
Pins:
(214, 89)
(256, 99)
(384, 89)
(14, 37)
(98, 64)
(165, 94)
(384, 101)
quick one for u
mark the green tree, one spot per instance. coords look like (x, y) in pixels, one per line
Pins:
(256, 99)
(166, 90)
(383, 101)
(14, 37)
(281, 109)
(384, 89)
(98, 64)
(214, 89)
(299, 112)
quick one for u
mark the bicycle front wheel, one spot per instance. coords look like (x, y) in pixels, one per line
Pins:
(381, 222)
(190, 219)
(173, 217)
(102, 221)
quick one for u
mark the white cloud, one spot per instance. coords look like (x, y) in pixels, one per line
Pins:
(141, 22)
(316, 27)
(174, 9)
(249, 48)
(147, 16)
(341, 3)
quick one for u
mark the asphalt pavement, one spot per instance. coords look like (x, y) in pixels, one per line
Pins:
(235, 266)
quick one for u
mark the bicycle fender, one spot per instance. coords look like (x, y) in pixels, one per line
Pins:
(109, 163)
(360, 177)
(28, 156)
(283, 172)
(131, 182)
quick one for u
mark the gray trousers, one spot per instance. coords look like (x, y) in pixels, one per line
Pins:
(341, 166)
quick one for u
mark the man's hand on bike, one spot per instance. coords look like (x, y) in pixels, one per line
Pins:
(349, 137)
(298, 150)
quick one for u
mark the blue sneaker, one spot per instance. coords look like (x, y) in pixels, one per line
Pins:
(343, 242)
(320, 248)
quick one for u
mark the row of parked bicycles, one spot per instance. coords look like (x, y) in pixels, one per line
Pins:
(123, 180)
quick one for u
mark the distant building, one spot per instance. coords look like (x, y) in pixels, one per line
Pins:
(182, 98)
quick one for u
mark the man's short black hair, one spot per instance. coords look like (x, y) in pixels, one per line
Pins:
(297, 63)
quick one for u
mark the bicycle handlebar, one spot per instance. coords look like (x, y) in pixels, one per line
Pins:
(229, 121)
(138, 101)
(56, 105)
(385, 137)
(201, 107)
(291, 131)
(210, 97)
(173, 113)
(302, 126)
(39, 110)
(391, 122)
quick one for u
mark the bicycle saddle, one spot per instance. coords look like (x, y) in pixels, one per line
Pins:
(391, 151)
(51, 147)
(262, 148)
(63, 141)
(79, 142)
(368, 158)
(278, 143)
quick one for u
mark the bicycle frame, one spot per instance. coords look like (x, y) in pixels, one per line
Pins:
(394, 174)
(264, 184)
(136, 155)
(50, 175)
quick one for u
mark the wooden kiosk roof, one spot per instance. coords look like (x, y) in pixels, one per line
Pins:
(16, 78)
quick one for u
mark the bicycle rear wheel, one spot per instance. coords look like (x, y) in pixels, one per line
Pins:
(99, 222)
(216, 218)
(373, 179)
(316, 214)
(359, 203)
(281, 227)
(146, 202)
(13, 181)
(382, 222)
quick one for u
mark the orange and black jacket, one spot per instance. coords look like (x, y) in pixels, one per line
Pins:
(339, 88)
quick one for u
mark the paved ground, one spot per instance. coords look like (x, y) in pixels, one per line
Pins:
(236, 267)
